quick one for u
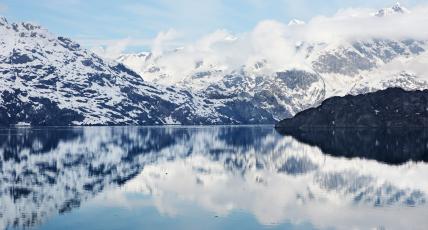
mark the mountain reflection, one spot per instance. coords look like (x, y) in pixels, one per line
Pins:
(392, 146)
(277, 179)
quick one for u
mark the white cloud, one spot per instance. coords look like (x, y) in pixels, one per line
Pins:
(112, 48)
(162, 41)
(352, 24)
(416, 65)
(276, 42)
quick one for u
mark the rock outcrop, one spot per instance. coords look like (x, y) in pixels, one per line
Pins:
(388, 108)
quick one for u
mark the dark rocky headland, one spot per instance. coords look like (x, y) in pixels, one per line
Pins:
(390, 108)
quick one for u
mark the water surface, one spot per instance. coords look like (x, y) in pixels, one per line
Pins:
(249, 177)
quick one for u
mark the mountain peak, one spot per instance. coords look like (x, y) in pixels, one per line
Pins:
(397, 5)
(395, 9)
(21, 26)
(29, 26)
(296, 22)
(3, 21)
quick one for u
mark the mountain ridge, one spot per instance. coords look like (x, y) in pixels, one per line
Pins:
(390, 108)
(51, 80)
(354, 66)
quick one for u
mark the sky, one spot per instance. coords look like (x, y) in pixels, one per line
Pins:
(104, 22)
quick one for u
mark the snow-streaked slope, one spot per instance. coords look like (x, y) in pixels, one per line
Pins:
(260, 77)
(222, 169)
(50, 80)
(333, 59)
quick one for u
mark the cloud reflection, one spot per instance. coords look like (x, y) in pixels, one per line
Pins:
(220, 169)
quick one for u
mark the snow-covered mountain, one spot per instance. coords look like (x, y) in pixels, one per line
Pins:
(50, 80)
(264, 76)
(396, 9)
(283, 73)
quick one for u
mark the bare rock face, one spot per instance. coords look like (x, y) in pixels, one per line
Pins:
(392, 107)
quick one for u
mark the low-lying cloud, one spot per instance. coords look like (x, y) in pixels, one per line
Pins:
(276, 42)
(354, 24)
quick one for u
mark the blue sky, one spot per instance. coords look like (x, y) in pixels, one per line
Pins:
(93, 22)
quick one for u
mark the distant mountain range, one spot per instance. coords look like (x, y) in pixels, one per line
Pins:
(324, 70)
(51, 80)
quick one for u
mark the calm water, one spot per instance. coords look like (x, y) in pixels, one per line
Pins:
(212, 178)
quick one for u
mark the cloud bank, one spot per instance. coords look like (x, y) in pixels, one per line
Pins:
(278, 43)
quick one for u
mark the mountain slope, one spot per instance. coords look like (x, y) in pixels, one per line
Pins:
(293, 73)
(392, 107)
(49, 80)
